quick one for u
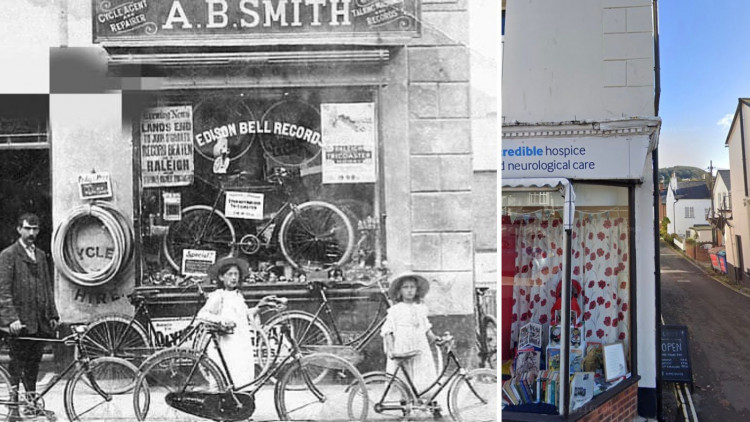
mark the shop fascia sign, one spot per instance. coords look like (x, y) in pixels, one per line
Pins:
(575, 158)
(232, 22)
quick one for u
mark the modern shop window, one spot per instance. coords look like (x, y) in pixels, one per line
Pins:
(600, 339)
(287, 179)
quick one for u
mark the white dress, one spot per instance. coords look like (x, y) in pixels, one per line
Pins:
(409, 324)
(237, 347)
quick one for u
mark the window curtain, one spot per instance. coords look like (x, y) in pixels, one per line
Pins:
(599, 265)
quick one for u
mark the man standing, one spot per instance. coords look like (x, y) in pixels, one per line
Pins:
(27, 303)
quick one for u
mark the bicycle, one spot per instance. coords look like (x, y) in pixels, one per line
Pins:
(311, 332)
(312, 235)
(486, 331)
(89, 393)
(126, 337)
(180, 382)
(472, 395)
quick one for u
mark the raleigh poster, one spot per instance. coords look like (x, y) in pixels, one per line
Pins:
(167, 146)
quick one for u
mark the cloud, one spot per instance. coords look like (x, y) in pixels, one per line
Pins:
(726, 121)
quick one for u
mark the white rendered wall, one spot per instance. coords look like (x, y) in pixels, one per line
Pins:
(583, 60)
(676, 213)
(646, 283)
(740, 212)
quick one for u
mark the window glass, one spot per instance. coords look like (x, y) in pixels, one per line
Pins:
(219, 173)
(533, 269)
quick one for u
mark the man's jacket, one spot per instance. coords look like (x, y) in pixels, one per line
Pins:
(26, 291)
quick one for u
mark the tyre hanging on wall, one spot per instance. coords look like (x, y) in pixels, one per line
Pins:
(93, 244)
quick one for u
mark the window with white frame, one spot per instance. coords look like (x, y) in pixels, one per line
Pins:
(706, 211)
(689, 212)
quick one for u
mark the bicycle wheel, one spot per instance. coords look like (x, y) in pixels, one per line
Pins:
(7, 408)
(473, 397)
(299, 142)
(323, 398)
(315, 236)
(114, 335)
(170, 371)
(305, 329)
(201, 227)
(113, 376)
(384, 391)
(489, 330)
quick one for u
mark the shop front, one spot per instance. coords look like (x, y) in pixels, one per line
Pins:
(578, 288)
(306, 137)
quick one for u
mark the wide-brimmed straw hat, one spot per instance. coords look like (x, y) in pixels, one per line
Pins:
(423, 285)
(213, 270)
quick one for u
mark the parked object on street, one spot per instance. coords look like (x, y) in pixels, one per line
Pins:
(135, 337)
(313, 333)
(172, 381)
(96, 388)
(472, 396)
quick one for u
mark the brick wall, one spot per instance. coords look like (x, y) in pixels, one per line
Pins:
(621, 408)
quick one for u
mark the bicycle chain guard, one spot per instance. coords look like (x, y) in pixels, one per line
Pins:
(229, 406)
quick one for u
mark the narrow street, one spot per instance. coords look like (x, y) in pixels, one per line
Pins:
(719, 325)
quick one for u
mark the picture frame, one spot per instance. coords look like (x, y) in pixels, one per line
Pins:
(615, 365)
(593, 359)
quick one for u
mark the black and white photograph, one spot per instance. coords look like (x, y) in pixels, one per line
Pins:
(271, 210)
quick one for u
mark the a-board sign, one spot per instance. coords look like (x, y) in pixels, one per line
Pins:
(675, 354)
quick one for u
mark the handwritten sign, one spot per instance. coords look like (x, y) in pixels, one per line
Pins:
(196, 262)
(94, 186)
(675, 354)
(167, 146)
(244, 205)
(348, 142)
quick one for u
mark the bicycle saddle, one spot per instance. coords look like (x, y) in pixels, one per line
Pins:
(405, 355)
(143, 294)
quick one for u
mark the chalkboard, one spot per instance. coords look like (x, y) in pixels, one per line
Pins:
(675, 354)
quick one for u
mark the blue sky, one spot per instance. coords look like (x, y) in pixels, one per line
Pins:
(705, 68)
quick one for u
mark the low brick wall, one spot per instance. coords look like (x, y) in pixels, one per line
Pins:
(621, 408)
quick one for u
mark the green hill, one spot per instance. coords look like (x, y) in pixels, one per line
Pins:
(683, 172)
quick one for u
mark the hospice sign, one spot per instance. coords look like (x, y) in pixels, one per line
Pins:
(578, 158)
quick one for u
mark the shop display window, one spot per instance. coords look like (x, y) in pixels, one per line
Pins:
(533, 268)
(287, 179)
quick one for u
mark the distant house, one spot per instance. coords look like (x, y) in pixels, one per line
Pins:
(721, 213)
(688, 204)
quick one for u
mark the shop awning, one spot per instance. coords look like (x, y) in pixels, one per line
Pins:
(553, 183)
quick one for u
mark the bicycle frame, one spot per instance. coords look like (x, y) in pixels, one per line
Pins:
(261, 379)
(366, 336)
(82, 361)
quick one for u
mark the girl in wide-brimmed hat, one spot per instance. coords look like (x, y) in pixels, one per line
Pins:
(407, 331)
(226, 306)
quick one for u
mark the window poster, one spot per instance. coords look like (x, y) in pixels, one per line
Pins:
(244, 205)
(167, 146)
(196, 262)
(348, 131)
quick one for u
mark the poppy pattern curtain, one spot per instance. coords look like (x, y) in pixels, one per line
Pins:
(599, 266)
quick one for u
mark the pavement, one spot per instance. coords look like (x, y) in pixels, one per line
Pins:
(121, 407)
